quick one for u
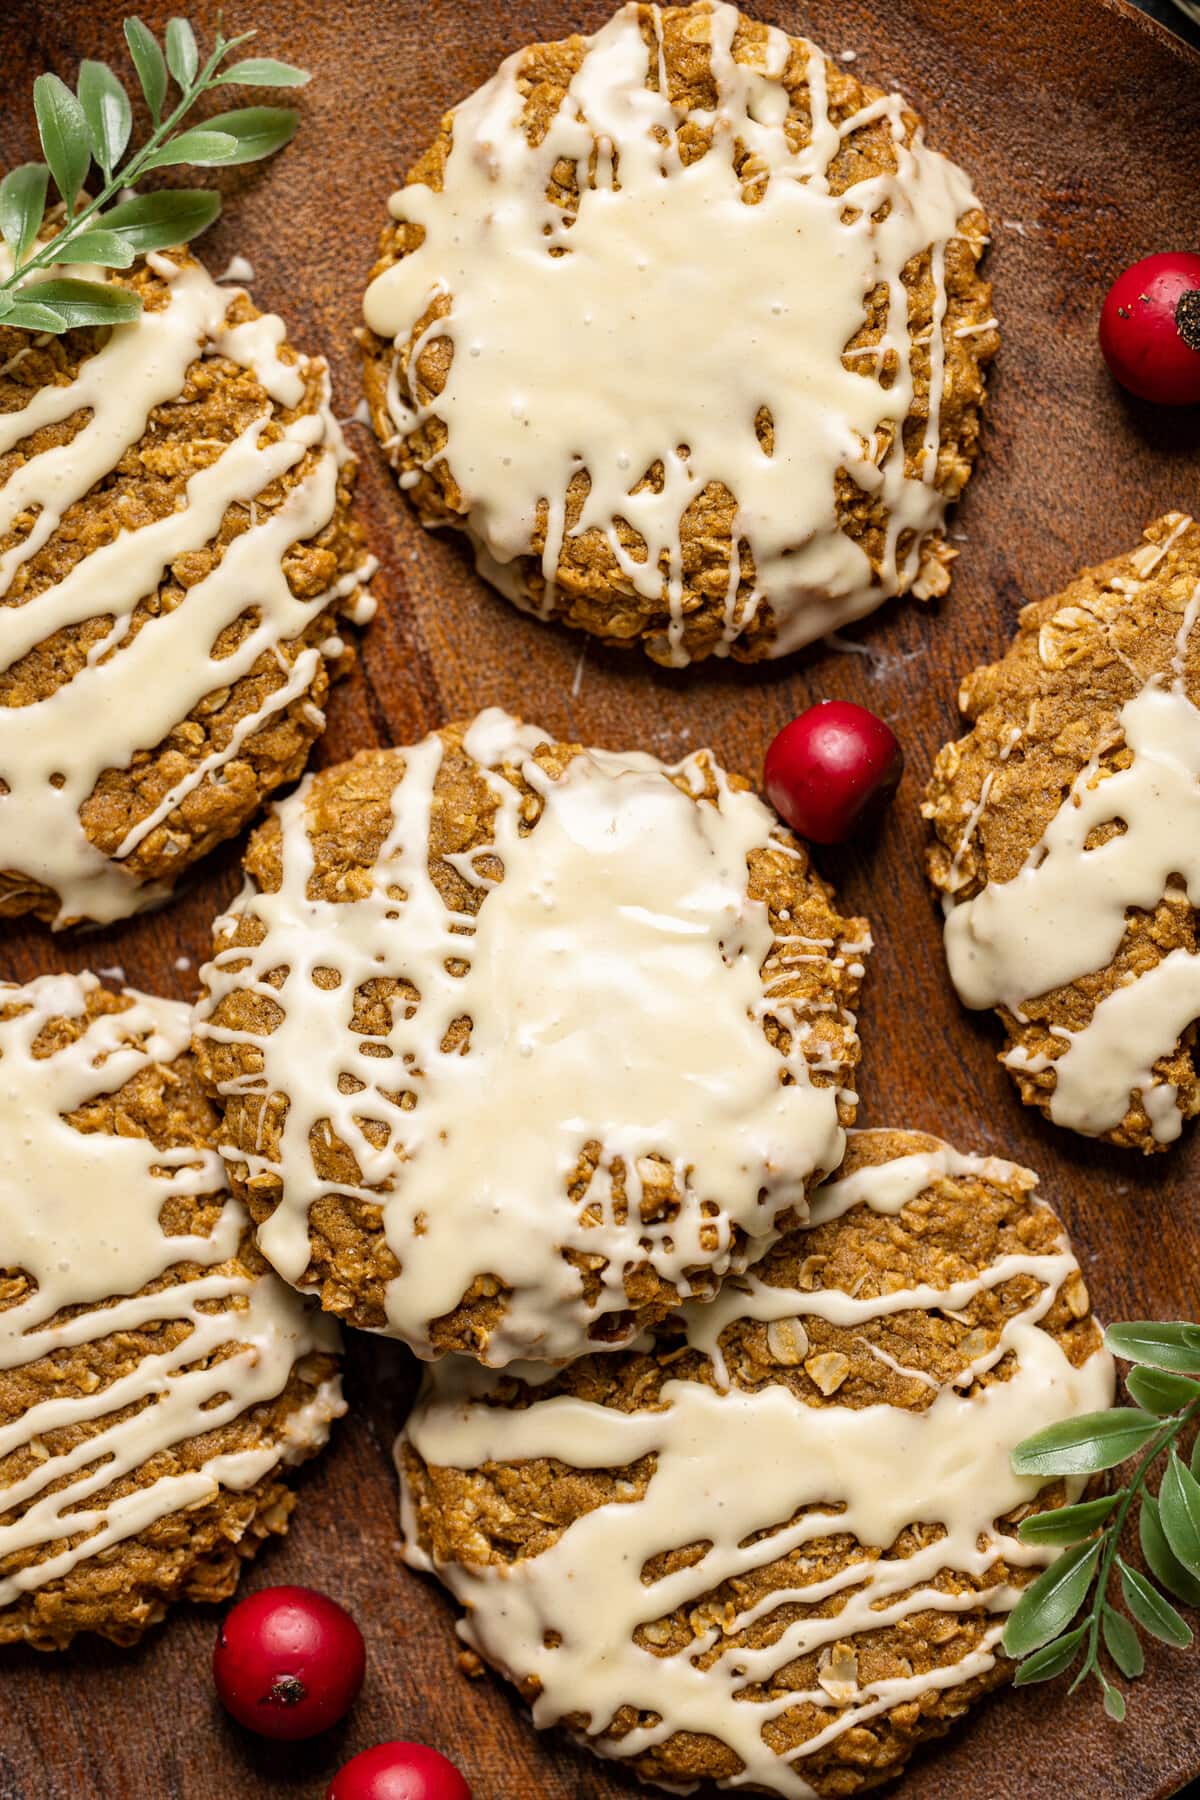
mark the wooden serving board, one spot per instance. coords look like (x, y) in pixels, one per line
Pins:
(1080, 122)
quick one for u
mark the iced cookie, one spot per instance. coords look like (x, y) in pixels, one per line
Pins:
(157, 1381)
(683, 325)
(176, 551)
(1067, 844)
(774, 1545)
(521, 1043)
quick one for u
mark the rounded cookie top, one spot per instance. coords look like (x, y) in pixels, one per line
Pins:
(175, 550)
(521, 1043)
(683, 325)
(156, 1378)
(1066, 829)
(790, 1517)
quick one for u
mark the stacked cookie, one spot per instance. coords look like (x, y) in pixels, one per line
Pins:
(775, 1543)
(536, 1057)
(522, 1044)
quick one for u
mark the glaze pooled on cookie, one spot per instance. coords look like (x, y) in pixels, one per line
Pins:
(156, 1378)
(682, 324)
(1068, 852)
(521, 1043)
(775, 1543)
(175, 550)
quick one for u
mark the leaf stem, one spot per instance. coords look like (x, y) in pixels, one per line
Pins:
(1112, 1532)
(51, 252)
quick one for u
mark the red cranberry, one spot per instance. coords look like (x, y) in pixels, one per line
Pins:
(288, 1662)
(1150, 328)
(830, 768)
(398, 1771)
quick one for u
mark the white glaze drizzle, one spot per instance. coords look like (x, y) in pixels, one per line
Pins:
(587, 341)
(732, 1463)
(79, 1213)
(1063, 915)
(618, 980)
(133, 692)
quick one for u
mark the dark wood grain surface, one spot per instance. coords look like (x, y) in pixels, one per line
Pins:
(1080, 120)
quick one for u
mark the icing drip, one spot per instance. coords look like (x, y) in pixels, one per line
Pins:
(133, 691)
(617, 979)
(568, 1615)
(583, 338)
(79, 1214)
(1063, 915)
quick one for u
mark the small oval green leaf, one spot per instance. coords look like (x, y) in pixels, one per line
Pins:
(150, 64)
(102, 247)
(1049, 1605)
(1164, 1344)
(1122, 1643)
(199, 145)
(1179, 1513)
(1086, 1444)
(160, 221)
(1114, 1701)
(107, 111)
(1067, 1524)
(1051, 1660)
(84, 302)
(183, 58)
(23, 207)
(1160, 1559)
(1159, 1392)
(257, 130)
(27, 315)
(263, 71)
(63, 130)
(1152, 1612)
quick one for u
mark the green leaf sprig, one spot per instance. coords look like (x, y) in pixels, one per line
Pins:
(1042, 1630)
(93, 125)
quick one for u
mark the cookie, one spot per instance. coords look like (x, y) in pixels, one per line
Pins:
(176, 550)
(1066, 826)
(774, 1544)
(157, 1381)
(521, 1043)
(683, 325)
